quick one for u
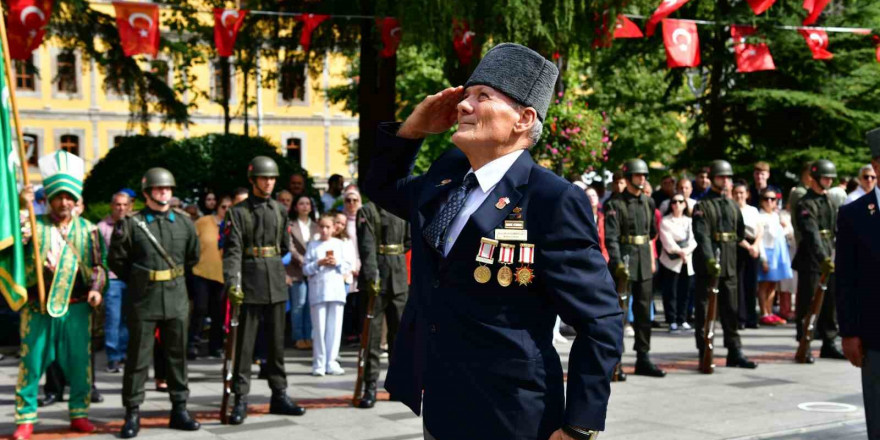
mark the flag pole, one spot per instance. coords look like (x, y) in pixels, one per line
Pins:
(32, 218)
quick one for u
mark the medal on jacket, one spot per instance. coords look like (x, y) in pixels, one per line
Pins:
(505, 257)
(485, 255)
(525, 275)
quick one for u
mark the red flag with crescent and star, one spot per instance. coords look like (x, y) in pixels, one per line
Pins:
(138, 25)
(876, 39)
(682, 43)
(625, 28)
(817, 41)
(227, 23)
(463, 41)
(390, 29)
(814, 9)
(310, 22)
(27, 22)
(750, 57)
(666, 7)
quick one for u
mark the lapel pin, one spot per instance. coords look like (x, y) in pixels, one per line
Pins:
(872, 208)
(502, 202)
(445, 182)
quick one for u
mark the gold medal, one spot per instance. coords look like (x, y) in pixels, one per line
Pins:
(524, 276)
(505, 276)
(482, 274)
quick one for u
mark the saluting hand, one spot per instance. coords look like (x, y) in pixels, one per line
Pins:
(435, 114)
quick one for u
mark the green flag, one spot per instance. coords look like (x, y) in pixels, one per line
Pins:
(12, 271)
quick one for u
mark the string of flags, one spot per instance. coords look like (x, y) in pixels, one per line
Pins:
(139, 31)
(682, 43)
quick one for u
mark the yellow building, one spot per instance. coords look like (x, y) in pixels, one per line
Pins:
(63, 104)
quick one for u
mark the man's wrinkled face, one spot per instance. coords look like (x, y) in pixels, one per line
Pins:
(120, 206)
(296, 185)
(62, 205)
(486, 118)
(868, 179)
(286, 199)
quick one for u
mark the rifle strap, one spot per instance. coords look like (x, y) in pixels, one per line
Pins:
(143, 227)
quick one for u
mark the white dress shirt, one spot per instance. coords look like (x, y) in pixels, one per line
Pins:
(853, 196)
(487, 176)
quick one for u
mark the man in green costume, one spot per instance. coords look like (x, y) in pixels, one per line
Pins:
(74, 270)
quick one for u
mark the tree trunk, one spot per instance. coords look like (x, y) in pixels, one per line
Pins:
(226, 80)
(244, 95)
(376, 91)
(715, 108)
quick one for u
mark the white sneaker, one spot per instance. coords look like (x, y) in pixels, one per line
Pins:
(317, 373)
(673, 328)
(335, 370)
(686, 327)
(628, 331)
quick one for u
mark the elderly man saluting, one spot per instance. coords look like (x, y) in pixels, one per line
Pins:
(480, 347)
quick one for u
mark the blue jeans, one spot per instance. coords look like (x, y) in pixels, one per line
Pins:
(115, 330)
(300, 318)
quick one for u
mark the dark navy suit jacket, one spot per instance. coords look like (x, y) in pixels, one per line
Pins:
(858, 270)
(483, 353)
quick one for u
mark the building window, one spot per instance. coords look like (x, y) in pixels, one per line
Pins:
(293, 149)
(217, 82)
(159, 68)
(31, 145)
(70, 144)
(293, 81)
(26, 75)
(66, 63)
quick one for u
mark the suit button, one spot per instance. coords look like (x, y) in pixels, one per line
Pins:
(433, 328)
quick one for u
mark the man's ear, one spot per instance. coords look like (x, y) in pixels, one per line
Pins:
(527, 119)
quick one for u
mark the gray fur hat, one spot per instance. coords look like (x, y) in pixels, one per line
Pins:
(873, 139)
(520, 73)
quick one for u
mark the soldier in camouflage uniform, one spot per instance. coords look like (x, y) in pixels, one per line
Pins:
(718, 224)
(383, 240)
(629, 228)
(151, 250)
(816, 218)
(256, 239)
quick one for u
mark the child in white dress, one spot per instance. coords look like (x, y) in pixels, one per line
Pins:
(326, 262)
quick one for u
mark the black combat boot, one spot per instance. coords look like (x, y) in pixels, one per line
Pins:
(132, 424)
(644, 367)
(619, 374)
(49, 400)
(180, 418)
(735, 358)
(282, 405)
(239, 410)
(369, 398)
(830, 351)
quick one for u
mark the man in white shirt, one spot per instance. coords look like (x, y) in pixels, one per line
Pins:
(867, 182)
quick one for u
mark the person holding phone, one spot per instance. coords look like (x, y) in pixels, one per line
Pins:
(327, 261)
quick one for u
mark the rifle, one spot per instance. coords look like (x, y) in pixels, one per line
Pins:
(229, 359)
(622, 297)
(707, 365)
(365, 346)
(809, 323)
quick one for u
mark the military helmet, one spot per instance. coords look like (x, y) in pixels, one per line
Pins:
(720, 168)
(262, 166)
(156, 177)
(635, 166)
(823, 168)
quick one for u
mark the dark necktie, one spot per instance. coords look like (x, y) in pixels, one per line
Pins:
(436, 231)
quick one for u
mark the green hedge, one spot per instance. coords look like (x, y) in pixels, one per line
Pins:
(212, 162)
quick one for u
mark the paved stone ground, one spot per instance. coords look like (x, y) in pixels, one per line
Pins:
(767, 403)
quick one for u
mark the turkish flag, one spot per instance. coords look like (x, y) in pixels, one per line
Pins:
(877, 43)
(389, 27)
(138, 25)
(682, 43)
(310, 22)
(463, 41)
(663, 11)
(818, 42)
(27, 22)
(625, 28)
(759, 6)
(227, 23)
(814, 8)
(753, 58)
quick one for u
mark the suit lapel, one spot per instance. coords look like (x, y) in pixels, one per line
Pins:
(439, 181)
(487, 217)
